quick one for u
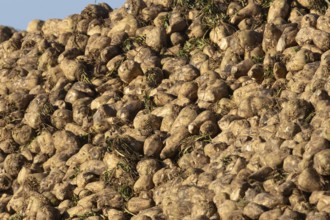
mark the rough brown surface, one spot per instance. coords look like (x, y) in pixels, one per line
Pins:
(173, 109)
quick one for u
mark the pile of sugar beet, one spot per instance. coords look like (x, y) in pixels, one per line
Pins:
(161, 109)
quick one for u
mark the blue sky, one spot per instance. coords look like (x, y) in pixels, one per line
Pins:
(18, 13)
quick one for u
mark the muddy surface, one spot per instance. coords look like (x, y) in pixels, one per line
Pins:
(166, 109)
